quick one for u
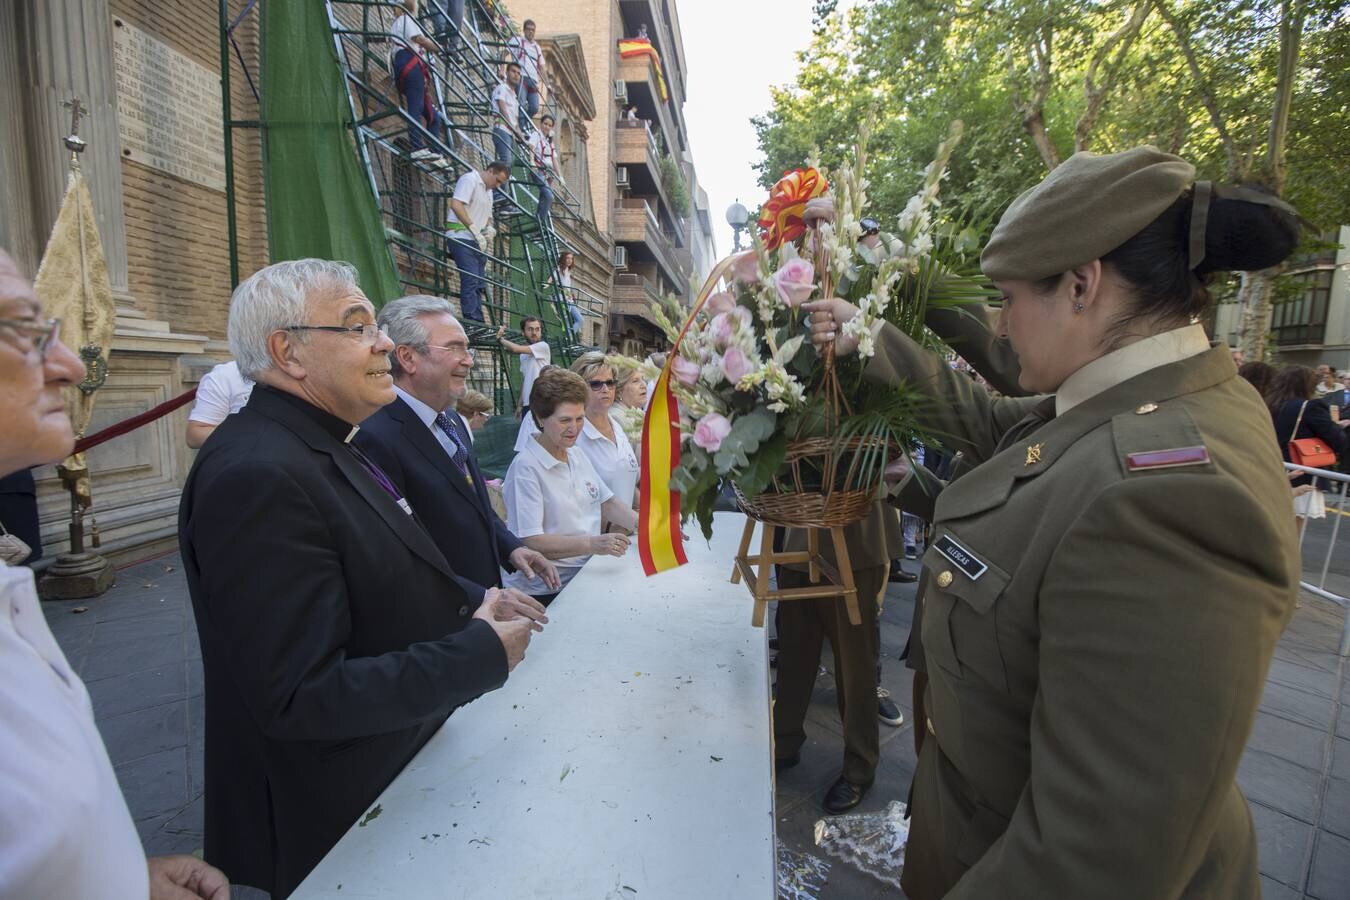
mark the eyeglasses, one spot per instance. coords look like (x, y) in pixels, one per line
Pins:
(601, 385)
(369, 333)
(461, 349)
(41, 334)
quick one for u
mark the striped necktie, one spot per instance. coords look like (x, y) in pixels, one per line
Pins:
(461, 454)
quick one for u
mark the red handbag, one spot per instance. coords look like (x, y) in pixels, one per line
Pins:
(1310, 452)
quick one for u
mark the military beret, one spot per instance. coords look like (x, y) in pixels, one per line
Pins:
(1087, 207)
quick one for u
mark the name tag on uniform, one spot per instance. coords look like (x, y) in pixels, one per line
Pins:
(962, 558)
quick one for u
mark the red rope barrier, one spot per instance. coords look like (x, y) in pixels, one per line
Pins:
(134, 422)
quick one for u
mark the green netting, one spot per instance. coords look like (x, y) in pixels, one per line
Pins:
(319, 200)
(494, 445)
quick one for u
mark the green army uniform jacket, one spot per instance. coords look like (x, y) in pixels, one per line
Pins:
(878, 538)
(1106, 591)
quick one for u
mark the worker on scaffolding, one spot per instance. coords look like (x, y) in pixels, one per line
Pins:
(527, 52)
(506, 107)
(447, 22)
(545, 158)
(469, 233)
(407, 62)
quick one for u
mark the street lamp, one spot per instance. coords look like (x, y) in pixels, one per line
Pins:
(737, 217)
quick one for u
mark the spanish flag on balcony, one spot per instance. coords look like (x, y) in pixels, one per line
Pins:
(660, 544)
(631, 47)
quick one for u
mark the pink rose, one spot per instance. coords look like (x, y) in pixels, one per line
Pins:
(719, 329)
(711, 430)
(720, 303)
(795, 282)
(685, 371)
(746, 267)
(735, 364)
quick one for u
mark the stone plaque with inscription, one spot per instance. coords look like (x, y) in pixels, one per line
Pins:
(168, 109)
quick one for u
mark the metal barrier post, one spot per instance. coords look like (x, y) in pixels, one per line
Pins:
(1320, 588)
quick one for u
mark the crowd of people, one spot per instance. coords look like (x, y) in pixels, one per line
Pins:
(520, 133)
(1305, 404)
(1091, 636)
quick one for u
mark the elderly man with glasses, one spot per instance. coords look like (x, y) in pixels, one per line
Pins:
(336, 639)
(420, 441)
(65, 830)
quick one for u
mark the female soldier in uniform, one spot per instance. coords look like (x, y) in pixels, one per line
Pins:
(1097, 631)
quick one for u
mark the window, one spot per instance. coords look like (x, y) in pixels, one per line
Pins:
(1303, 319)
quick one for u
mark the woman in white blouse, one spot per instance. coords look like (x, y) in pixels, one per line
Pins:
(556, 502)
(603, 439)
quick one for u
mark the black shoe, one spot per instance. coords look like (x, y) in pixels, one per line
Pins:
(887, 711)
(899, 575)
(843, 795)
(787, 762)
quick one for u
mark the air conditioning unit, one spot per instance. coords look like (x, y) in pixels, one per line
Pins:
(621, 92)
(621, 176)
(620, 257)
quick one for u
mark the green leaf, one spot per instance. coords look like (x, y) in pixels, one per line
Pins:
(755, 477)
(787, 351)
(747, 432)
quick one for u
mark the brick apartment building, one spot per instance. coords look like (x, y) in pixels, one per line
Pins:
(637, 168)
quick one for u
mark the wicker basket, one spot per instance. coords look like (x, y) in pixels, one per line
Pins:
(826, 508)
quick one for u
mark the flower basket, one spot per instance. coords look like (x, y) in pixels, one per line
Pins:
(789, 503)
(744, 402)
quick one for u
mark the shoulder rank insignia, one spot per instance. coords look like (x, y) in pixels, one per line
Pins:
(1033, 454)
(1167, 459)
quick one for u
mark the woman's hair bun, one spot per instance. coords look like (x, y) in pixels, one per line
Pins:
(1244, 236)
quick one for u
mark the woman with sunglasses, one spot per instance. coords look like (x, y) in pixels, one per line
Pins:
(602, 437)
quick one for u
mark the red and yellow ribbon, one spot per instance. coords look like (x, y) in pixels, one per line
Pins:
(631, 47)
(780, 219)
(659, 542)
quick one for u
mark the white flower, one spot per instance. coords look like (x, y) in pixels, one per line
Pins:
(922, 245)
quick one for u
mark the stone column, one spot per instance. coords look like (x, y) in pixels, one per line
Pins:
(51, 51)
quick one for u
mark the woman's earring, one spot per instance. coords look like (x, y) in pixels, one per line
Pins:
(1078, 307)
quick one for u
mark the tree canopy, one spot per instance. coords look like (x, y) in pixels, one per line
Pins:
(1035, 80)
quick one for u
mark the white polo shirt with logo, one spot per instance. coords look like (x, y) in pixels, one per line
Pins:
(545, 495)
(614, 461)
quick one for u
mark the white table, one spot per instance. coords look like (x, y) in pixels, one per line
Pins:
(629, 757)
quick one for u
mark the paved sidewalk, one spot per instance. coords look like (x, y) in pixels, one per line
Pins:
(136, 648)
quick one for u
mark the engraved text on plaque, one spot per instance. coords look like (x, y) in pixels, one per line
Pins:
(168, 109)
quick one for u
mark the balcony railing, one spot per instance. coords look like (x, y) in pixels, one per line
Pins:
(632, 133)
(634, 295)
(641, 70)
(635, 222)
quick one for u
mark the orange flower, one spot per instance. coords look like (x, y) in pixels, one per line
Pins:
(780, 219)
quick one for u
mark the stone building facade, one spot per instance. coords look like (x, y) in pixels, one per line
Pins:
(164, 235)
(154, 165)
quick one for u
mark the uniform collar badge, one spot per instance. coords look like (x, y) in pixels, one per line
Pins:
(1033, 454)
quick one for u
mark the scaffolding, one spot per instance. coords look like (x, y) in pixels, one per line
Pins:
(412, 196)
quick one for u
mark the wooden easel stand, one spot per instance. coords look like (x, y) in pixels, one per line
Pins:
(838, 582)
